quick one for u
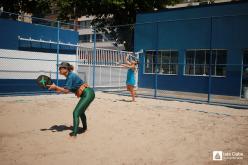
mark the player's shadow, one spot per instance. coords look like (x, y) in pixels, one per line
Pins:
(60, 128)
(124, 100)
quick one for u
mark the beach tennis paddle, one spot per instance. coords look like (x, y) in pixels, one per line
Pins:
(43, 81)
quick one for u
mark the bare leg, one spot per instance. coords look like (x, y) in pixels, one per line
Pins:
(128, 89)
(132, 93)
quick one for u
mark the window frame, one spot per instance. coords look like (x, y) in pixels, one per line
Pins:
(161, 63)
(85, 24)
(99, 39)
(86, 41)
(206, 65)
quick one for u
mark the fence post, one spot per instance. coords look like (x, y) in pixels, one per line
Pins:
(210, 62)
(110, 78)
(156, 65)
(119, 78)
(57, 69)
(100, 75)
(94, 58)
(241, 77)
(77, 59)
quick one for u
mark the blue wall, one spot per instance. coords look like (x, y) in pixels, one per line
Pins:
(190, 28)
(10, 30)
(22, 86)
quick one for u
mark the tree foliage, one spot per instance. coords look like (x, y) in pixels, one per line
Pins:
(38, 8)
(111, 13)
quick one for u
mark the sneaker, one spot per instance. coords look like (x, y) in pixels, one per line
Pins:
(72, 134)
(81, 130)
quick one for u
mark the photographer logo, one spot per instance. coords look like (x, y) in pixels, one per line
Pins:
(217, 155)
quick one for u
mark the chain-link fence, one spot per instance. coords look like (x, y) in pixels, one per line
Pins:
(36, 46)
(202, 59)
(176, 60)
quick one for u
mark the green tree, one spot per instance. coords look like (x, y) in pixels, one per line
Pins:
(38, 8)
(110, 13)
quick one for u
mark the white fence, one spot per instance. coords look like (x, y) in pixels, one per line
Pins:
(17, 64)
(108, 73)
(19, 69)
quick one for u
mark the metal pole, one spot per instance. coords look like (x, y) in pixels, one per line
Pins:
(210, 63)
(94, 58)
(241, 77)
(156, 60)
(57, 74)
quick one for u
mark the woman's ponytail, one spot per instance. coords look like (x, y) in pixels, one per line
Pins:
(71, 68)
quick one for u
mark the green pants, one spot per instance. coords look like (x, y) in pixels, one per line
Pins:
(87, 97)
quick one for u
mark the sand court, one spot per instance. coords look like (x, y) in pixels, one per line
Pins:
(34, 130)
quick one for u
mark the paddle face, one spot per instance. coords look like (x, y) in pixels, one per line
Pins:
(43, 81)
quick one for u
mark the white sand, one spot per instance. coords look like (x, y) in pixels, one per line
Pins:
(152, 132)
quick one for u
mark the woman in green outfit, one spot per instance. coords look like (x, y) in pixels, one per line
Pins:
(76, 85)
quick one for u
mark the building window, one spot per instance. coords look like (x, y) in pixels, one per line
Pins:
(167, 62)
(99, 38)
(197, 62)
(150, 61)
(85, 24)
(85, 38)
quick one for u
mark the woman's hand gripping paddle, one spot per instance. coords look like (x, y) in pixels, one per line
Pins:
(43, 81)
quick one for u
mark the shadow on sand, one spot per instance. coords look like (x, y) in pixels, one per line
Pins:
(125, 100)
(60, 128)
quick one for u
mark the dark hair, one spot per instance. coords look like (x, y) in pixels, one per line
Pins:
(71, 68)
(66, 65)
(136, 61)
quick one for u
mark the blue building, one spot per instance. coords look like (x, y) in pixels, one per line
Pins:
(182, 46)
(10, 31)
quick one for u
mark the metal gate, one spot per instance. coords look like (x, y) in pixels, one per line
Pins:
(103, 70)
